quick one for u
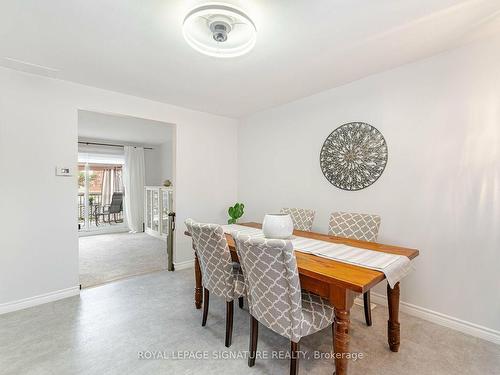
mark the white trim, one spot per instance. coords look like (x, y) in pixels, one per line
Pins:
(155, 234)
(463, 326)
(359, 301)
(38, 300)
(118, 228)
(184, 265)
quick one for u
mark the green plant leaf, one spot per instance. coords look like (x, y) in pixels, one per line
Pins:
(235, 212)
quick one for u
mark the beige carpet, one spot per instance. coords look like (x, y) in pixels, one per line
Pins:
(109, 257)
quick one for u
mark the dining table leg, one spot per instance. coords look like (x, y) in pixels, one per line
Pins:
(393, 327)
(341, 340)
(342, 301)
(198, 295)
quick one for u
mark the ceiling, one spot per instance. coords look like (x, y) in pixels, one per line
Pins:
(303, 46)
(122, 129)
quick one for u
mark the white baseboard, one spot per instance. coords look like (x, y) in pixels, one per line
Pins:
(359, 301)
(472, 329)
(38, 300)
(184, 265)
(104, 230)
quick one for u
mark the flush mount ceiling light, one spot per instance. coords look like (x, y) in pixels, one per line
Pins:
(219, 30)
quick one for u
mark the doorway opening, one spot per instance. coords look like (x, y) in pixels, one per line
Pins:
(123, 203)
(100, 196)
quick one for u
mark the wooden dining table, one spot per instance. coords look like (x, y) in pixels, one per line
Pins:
(338, 282)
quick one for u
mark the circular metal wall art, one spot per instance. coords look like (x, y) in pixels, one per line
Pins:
(353, 156)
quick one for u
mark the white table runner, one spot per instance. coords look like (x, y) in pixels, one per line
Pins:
(394, 267)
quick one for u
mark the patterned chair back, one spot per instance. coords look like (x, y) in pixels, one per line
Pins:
(272, 281)
(302, 218)
(356, 226)
(214, 257)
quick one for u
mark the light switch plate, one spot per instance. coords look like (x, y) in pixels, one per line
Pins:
(64, 171)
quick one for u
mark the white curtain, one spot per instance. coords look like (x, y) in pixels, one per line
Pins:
(110, 184)
(133, 184)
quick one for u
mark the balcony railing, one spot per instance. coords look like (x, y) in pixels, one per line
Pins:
(95, 205)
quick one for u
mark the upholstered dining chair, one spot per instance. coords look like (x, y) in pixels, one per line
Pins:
(302, 218)
(274, 295)
(219, 277)
(363, 227)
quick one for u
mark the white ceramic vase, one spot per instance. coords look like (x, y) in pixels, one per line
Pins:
(278, 226)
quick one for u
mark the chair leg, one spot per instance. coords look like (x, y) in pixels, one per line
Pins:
(254, 335)
(240, 302)
(229, 322)
(206, 296)
(294, 358)
(368, 310)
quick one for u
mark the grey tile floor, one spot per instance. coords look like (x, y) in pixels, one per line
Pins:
(105, 330)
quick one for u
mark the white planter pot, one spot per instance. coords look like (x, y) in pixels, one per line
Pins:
(278, 226)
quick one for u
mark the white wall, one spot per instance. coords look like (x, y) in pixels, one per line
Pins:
(157, 158)
(159, 164)
(157, 168)
(119, 129)
(38, 130)
(166, 152)
(440, 191)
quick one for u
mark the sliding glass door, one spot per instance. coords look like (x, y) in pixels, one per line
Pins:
(100, 196)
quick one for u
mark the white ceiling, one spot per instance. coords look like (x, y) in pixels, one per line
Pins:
(303, 46)
(122, 129)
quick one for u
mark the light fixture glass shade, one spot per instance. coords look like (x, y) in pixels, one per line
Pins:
(200, 24)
